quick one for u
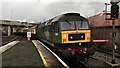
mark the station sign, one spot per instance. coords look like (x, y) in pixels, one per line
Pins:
(28, 34)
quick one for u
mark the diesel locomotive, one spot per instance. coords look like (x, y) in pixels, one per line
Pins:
(69, 31)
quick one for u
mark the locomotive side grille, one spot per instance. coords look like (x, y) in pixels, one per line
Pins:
(73, 37)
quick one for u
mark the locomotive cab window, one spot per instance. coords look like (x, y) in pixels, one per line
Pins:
(73, 25)
(55, 27)
(82, 25)
(67, 25)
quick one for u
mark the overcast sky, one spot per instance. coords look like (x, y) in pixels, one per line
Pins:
(41, 10)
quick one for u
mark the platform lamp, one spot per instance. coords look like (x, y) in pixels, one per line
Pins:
(114, 15)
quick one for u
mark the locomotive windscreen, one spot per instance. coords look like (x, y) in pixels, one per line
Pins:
(73, 25)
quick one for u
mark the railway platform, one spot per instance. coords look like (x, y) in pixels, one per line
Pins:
(29, 54)
(22, 53)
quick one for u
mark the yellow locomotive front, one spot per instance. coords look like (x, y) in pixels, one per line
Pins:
(76, 37)
(75, 32)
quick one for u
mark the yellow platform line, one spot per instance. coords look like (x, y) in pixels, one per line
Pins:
(41, 55)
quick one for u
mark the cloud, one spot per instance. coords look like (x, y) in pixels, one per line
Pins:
(84, 8)
(41, 11)
(48, 1)
(0, 11)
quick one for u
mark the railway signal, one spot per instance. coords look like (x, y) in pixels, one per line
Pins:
(114, 15)
(114, 11)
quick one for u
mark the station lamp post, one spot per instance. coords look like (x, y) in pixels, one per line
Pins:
(114, 15)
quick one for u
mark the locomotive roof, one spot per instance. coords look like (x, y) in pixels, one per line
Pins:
(63, 15)
(57, 18)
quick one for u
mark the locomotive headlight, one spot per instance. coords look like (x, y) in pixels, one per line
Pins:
(64, 37)
(88, 36)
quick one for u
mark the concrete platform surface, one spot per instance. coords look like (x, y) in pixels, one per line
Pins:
(29, 54)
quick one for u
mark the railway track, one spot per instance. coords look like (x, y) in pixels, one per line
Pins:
(108, 51)
(6, 39)
(95, 62)
(107, 57)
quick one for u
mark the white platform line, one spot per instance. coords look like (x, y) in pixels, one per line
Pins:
(63, 63)
(7, 46)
